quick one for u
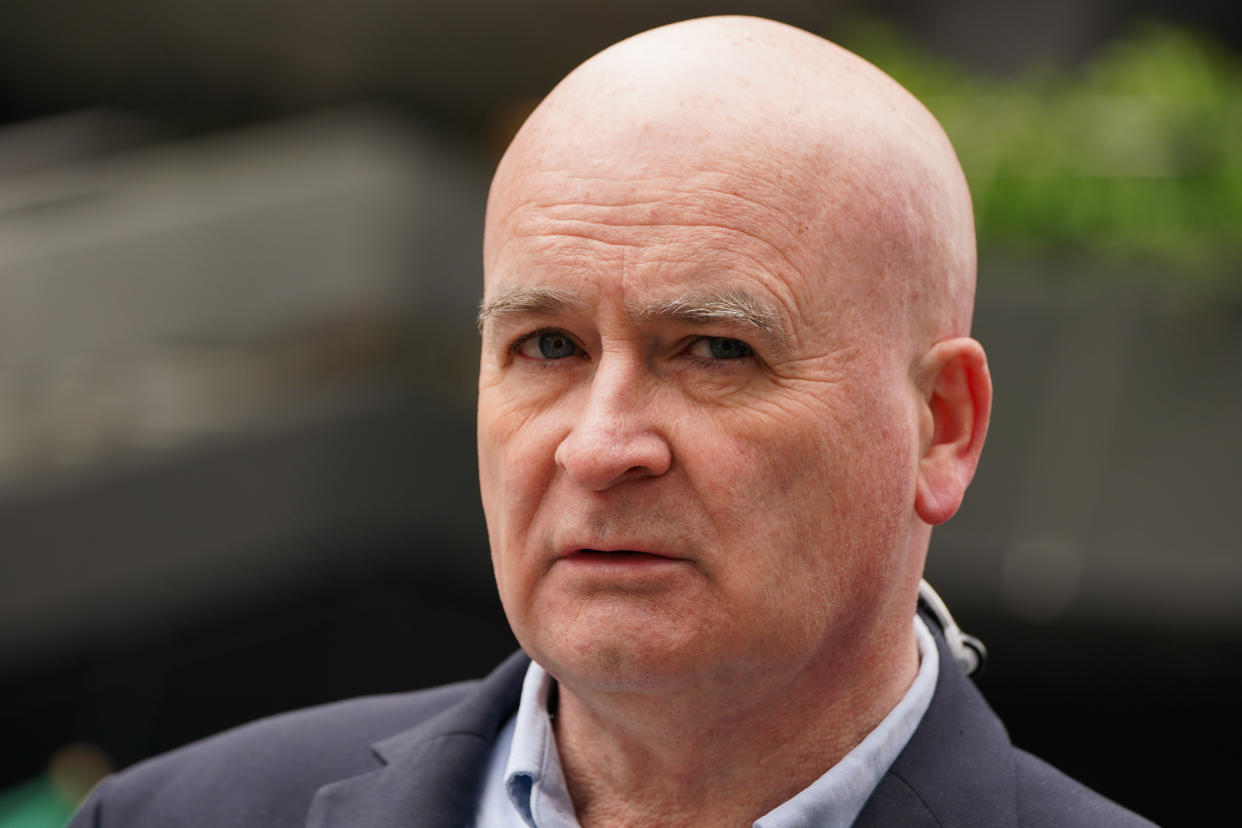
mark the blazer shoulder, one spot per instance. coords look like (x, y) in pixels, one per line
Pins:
(960, 768)
(269, 768)
(1047, 797)
(344, 730)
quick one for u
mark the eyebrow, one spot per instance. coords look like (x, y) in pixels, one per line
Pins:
(729, 307)
(698, 309)
(515, 301)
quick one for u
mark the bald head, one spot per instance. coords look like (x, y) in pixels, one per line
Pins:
(728, 270)
(856, 175)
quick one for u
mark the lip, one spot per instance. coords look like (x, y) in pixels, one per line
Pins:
(616, 555)
(616, 558)
(614, 552)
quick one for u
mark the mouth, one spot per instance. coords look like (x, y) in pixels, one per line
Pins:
(613, 554)
(618, 557)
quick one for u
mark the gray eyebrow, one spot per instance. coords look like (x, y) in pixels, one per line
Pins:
(699, 309)
(730, 307)
(527, 300)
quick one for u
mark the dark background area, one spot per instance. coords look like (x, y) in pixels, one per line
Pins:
(238, 262)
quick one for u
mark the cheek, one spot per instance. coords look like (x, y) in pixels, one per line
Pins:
(516, 465)
(513, 474)
(774, 457)
(767, 488)
(820, 489)
(512, 432)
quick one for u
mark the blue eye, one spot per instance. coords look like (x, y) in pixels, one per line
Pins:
(555, 345)
(548, 345)
(720, 347)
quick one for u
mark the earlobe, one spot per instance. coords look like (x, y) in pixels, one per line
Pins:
(958, 400)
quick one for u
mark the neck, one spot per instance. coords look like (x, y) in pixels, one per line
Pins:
(723, 755)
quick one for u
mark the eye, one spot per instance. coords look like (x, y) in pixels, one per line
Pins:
(547, 345)
(719, 347)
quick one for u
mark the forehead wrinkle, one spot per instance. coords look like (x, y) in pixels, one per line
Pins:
(528, 300)
(761, 199)
(669, 239)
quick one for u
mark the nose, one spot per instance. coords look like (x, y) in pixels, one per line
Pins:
(615, 435)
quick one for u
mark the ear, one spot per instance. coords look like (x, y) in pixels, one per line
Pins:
(957, 397)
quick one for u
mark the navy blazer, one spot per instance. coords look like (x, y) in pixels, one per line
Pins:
(415, 760)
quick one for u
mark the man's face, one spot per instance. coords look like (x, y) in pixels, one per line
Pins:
(697, 437)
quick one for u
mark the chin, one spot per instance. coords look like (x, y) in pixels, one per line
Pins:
(619, 659)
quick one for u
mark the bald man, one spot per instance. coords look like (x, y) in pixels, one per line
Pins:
(726, 390)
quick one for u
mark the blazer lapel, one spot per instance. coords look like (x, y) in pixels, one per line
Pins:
(427, 776)
(957, 769)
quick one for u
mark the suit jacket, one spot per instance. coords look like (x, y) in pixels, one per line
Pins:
(417, 759)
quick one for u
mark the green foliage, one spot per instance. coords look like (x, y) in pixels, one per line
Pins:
(1135, 155)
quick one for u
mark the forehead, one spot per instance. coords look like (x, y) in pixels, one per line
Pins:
(649, 231)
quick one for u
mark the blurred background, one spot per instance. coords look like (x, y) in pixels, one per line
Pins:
(239, 260)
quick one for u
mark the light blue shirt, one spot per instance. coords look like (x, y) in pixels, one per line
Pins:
(524, 786)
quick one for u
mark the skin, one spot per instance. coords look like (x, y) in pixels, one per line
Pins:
(728, 280)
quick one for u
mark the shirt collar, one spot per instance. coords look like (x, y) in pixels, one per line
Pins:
(535, 782)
